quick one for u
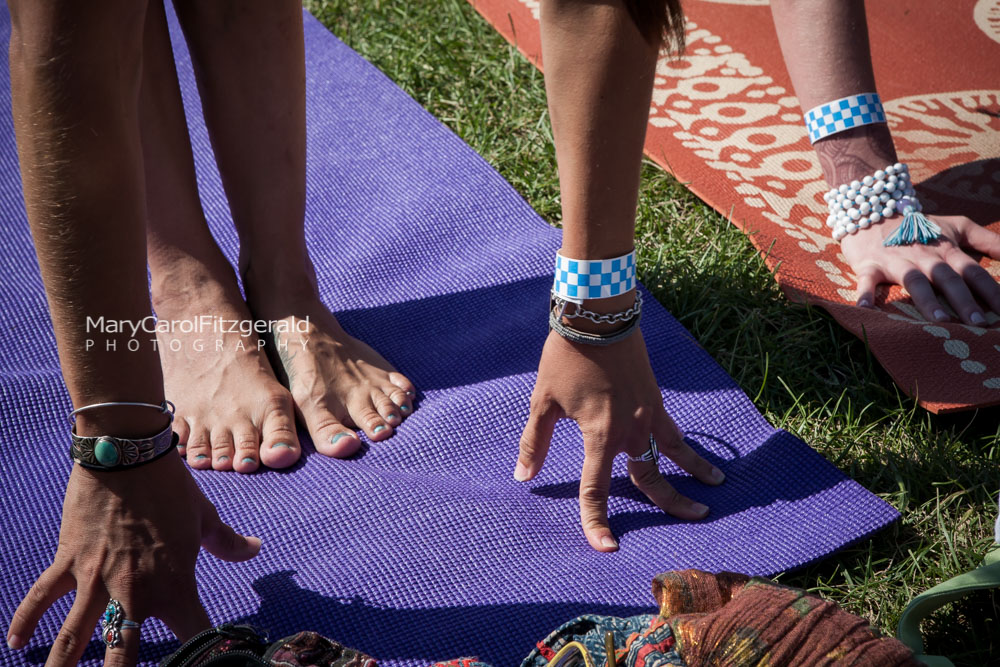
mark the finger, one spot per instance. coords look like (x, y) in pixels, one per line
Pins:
(869, 279)
(126, 650)
(957, 292)
(595, 482)
(920, 290)
(186, 618)
(670, 442)
(223, 542)
(981, 240)
(51, 585)
(647, 478)
(978, 279)
(78, 627)
(535, 438)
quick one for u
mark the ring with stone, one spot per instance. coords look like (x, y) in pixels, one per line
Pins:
(650, 454)
(112, 623)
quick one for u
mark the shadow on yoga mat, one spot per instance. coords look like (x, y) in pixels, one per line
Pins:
(423, 547)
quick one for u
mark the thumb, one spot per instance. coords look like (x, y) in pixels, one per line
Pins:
(535, 438)
(223, 542)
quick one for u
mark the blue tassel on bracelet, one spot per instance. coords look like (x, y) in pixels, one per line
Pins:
(915, 228)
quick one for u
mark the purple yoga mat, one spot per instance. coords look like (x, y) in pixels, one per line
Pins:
(423, 547)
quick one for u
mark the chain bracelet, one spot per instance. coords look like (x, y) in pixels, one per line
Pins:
(598, 318)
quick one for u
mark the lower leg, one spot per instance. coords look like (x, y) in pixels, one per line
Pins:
(250, 62)
(231, 411)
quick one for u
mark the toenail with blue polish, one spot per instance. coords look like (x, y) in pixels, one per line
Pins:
(404, 408)
(334, 439)
(281, 444)
(380, 427)
(201, 457)
(392, 415)
(249, 460)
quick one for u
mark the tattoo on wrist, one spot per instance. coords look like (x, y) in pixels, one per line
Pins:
(849, 155)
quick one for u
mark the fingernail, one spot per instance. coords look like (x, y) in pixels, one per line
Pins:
(200, 457)
(609, 542)
(718, 476)
(281, 444)
(699, 509)
(14, 643)
(249, 460)
(521, 472)
(940, 315)
(977, 318)
(380, 427)
(334, 439)
(865, 303)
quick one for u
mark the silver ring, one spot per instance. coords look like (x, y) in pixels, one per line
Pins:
(112, 623)
(651, 454)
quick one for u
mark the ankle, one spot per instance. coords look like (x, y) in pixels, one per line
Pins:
(186, 285)
(285, 278)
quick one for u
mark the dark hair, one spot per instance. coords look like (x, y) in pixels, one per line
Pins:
(659, 20)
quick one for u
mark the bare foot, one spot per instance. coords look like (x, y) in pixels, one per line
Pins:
(232, 413)
(338, 383)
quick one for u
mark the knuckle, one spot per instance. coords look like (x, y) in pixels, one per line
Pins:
(247, 441)
(645, 477)
(222, 441)
(66, 645)
(278, 401)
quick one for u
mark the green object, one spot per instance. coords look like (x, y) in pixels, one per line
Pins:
(908, 631)
(106, 452)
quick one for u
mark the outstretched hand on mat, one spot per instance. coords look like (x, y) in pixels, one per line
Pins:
(611, 393)
(132, 536)
(943, 266)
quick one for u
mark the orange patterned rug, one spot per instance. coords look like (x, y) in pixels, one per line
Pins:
(725, 121)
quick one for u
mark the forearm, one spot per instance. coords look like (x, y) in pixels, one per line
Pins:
(826, 50)
(81, 165)
(599, 80)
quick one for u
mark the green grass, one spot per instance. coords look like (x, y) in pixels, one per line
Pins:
(803, 371)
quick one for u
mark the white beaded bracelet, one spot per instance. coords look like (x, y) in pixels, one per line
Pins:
(861, 204)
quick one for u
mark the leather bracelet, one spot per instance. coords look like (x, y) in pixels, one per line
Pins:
(111, 454)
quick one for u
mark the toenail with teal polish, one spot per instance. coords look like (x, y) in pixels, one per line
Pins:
(380, 427)
(404, 408)
(334, 439)
(392, 415)
(223, 459)
(249, 460)
(201, 457)
(281, 444)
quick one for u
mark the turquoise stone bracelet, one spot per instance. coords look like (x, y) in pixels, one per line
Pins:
(105, 452)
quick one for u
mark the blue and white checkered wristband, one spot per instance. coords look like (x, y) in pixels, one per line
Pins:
(579, 279)
(843, 114)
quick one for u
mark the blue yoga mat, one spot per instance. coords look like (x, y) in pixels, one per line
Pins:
(423, 547)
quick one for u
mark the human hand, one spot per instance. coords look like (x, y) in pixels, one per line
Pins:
(942, 265)
(133, 536)
(611, 393)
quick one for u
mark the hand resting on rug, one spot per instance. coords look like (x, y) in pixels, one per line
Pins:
(599, 68)
(826, 50)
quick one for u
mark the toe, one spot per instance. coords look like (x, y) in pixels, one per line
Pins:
(199, 449)
(400, 398)
(385, 406)
(279, 445)
(183, 431)
(328, 434)
(223, 449)
(403, 383)
(364, 414)
(246, 438)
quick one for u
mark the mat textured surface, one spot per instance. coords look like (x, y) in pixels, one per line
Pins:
(725, 121)
(423, 547)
